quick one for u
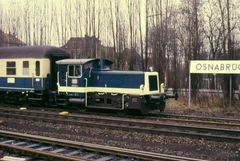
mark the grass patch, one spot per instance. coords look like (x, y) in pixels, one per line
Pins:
(204, 104)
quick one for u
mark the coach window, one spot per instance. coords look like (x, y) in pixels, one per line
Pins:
(37, 68)
(11, 68)
(25, 67)
(75, 71)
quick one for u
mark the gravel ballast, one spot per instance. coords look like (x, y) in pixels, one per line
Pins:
(182, 146)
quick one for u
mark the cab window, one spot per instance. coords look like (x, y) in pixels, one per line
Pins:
(63, 72)
(71, 70)
(75, 71)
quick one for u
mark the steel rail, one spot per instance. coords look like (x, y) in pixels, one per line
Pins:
(136, 122)
(139, 117)
(222, 119)
(218, 121)
(200, 122)
(114, 152)
(133, 125)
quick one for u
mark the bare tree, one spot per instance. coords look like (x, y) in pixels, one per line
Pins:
(57, 26)
(1, 24)
(228, 25)
(192, 39)
(113, 29)
(131, 28)
(146, 37)
(27, 23)
(140, 33)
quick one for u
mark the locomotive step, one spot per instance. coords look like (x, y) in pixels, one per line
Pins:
(104, 107)
(35, 99)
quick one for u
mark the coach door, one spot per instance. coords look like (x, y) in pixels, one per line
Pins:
(37, 80)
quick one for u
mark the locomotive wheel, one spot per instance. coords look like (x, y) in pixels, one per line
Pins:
(134, 112)
(162, 105)
(143, 112)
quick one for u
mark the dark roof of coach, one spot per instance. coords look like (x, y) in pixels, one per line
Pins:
(32, 52)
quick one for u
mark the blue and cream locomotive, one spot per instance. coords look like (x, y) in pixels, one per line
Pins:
(46, 74)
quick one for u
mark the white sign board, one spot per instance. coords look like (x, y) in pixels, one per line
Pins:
(215, 66)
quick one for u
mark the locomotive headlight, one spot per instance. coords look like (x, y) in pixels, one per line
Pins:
(151, 69)
(142, 87)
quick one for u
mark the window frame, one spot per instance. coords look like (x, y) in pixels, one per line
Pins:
(25, 69)
(74, 71)
(11, 67)
(68, 70)
(37, 68)
(63, 72)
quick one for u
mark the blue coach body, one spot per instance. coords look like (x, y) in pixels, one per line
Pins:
(28, 70)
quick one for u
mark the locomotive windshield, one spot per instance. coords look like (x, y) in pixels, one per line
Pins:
(153, 83)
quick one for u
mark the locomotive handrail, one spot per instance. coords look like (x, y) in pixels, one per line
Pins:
(42, 82)
(86, 96)
(123, 102)
(57, 78)
(66, 79)
(32, 80)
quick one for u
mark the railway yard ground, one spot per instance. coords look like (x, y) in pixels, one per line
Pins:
(205, 108)
(103, 129)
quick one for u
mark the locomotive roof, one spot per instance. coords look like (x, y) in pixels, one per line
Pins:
(32, 52)
(82, 61)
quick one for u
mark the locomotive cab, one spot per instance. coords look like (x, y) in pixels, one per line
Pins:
(73, 75)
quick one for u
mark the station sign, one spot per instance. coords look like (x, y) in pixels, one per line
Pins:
(215, 66)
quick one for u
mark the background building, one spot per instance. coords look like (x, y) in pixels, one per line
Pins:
(91, 47)
(9, 40)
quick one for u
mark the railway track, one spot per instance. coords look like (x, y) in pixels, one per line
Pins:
(136, 125)
(188, 119)
(58, 149)
(219, 120)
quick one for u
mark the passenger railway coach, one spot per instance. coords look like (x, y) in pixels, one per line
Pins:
(28, 72)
